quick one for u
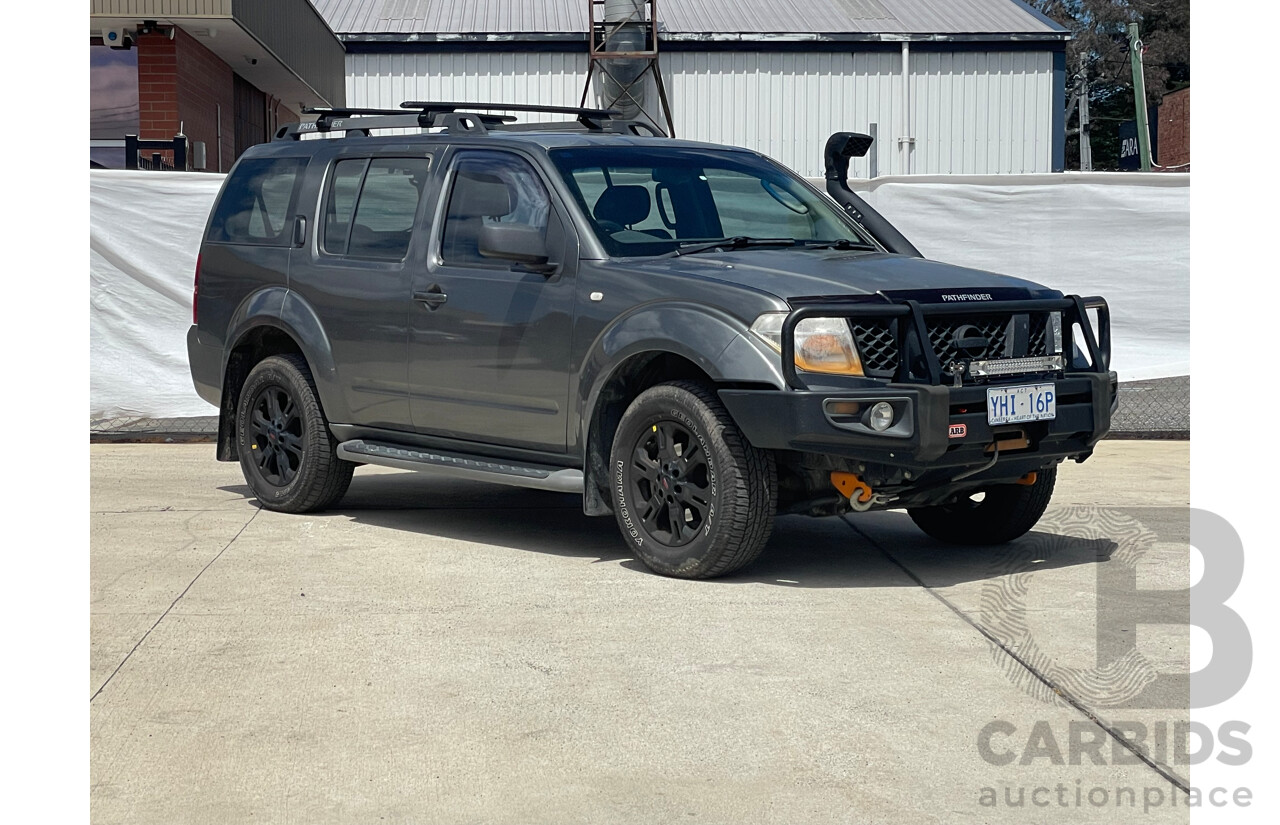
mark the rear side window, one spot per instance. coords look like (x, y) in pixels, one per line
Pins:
(341, 205)
(257, 203)
(371, 206)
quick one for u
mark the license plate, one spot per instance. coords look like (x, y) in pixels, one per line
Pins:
(1013, 405)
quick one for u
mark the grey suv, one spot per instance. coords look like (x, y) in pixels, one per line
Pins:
(689, 336)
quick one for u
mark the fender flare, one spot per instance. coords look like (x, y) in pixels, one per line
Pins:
(282, 309)
(716, 342)
(719, 344)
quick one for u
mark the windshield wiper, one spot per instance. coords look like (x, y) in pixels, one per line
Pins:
(842, 243)
(736, 242)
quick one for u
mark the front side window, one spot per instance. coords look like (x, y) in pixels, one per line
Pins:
(257, 203)
(371, 206)
(643, 201)
(490, 187)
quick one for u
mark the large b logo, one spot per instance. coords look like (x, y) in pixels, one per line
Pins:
(1122, 676)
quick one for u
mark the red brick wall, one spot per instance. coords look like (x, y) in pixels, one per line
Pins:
(182, 83)
(157, 87)
(204, 84)
(1175, 129)
(284, 114)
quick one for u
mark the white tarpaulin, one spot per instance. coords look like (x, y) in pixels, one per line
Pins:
(1123, 236)
(144, 236)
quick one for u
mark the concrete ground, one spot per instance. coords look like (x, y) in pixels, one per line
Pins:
(443, 651)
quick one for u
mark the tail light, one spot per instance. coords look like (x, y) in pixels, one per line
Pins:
(195, 294)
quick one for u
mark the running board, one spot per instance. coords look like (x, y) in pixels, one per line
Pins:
(474, 467)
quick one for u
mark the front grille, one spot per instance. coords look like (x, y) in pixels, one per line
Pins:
(1007, 336)
(1038, 335)
(943, 333)
(876, 344)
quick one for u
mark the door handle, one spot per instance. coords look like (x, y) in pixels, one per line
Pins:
(433, 297)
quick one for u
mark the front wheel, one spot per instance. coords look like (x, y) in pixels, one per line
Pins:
(994, 516)
(287, 454)
(691, 495)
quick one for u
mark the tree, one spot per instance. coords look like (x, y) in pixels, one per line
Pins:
(1099, 48)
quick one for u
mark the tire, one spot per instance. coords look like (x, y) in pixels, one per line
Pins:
(287, 454)
(692, 497)
(1006, 512)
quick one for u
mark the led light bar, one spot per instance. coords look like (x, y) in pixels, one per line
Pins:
(1016, 366)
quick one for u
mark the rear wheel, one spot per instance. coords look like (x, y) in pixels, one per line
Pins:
(993, 516)
(287, 454)
(692, 497)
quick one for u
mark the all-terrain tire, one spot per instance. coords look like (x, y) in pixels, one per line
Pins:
(692, 497)
(1006, 512)
(287, 454)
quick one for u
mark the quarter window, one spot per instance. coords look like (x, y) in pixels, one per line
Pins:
(257, 203)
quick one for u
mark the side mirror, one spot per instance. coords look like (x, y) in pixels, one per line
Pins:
(514, 242)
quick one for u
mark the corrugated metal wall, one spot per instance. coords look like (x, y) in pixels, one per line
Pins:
(972, 112)
(387, 80)
(160, 8)
(785, 104)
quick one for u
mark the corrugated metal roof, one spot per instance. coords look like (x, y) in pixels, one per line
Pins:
(797, 17)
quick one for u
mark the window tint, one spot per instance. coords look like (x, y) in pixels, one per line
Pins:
(258, 202)
(378, 221)
(623, 208)
(641, 201)
(743, 211)
(341, 203)
(490, 188)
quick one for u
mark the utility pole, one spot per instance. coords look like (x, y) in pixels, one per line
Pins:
(1139, 98)
(1086, 150)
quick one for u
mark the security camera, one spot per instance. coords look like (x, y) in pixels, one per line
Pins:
(118, 38)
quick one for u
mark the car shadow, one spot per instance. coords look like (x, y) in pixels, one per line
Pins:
(882, 549)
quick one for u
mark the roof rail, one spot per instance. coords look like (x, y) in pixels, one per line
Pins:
(476, 118)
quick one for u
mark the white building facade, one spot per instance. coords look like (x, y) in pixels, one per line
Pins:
(946, 86)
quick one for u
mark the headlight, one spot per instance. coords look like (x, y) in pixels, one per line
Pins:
(822, 344)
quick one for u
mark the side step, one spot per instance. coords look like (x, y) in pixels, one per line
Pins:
(476, 468)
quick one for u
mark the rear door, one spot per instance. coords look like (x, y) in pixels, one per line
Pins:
(368, 237)
(489, 340)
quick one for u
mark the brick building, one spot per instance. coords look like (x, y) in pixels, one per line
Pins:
(1174, 130)
(224, 72)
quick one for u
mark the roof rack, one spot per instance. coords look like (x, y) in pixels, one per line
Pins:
(471, 118)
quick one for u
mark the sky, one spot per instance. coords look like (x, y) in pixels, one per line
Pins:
(113, 93)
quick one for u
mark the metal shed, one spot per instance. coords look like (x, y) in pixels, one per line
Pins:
(948, 86)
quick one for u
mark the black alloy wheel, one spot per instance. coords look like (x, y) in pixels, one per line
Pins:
(287, 454)
(670, 483)
(277, 432)
(692, 497)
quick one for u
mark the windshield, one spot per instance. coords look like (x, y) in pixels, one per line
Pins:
(659, 201)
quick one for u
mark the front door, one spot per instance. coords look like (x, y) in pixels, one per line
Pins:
(489, 339)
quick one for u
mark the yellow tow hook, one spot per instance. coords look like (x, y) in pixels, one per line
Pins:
(855, 489)
(1027, 480)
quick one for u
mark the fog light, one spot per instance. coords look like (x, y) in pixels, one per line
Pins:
(881, 416)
